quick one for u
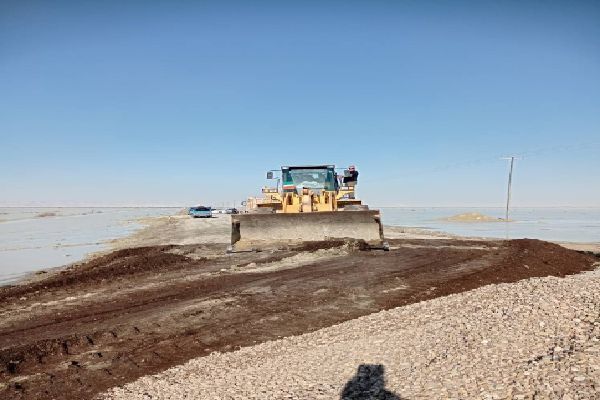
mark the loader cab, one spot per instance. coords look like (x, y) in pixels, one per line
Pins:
(313, 177)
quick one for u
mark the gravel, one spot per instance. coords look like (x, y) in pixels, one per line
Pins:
(538, 338)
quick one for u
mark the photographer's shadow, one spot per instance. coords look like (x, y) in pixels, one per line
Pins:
(368, 384)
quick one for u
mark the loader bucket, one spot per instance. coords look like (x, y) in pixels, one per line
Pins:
(261, 231)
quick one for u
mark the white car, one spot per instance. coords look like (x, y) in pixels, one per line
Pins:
(226, 211)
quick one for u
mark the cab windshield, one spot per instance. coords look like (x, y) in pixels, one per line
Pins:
(310, 178)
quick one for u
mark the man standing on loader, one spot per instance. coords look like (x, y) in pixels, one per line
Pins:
(351, 178)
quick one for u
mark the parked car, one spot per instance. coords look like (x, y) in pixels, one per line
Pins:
(200, 212)
(226, 211)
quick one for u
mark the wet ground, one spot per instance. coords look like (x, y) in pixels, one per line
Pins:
(78, 332)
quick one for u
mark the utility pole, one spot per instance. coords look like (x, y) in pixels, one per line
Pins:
(512, 162)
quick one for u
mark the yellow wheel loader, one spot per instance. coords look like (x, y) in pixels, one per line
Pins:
(309, 205)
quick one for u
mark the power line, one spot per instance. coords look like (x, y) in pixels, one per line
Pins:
(465, 163)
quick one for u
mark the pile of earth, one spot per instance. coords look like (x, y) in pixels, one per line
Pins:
(472, 217)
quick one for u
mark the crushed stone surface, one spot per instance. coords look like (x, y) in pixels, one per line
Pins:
(534, 339)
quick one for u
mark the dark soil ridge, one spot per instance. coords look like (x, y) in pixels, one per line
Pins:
(161, 309)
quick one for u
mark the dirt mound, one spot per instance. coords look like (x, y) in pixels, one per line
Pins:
(46, 215)
(531, 257)
(354, 244)
(472, 217)
(515, 260)
(115, 265)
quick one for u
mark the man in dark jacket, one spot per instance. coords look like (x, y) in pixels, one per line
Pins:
(352, 176)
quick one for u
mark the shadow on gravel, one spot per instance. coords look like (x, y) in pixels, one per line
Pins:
(368, 384)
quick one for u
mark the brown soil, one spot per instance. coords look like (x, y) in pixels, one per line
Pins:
(46, 215)
(472, 217)
(139, 311)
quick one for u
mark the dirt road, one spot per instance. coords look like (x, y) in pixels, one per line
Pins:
(138, 311)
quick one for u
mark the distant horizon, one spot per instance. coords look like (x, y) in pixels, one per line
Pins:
(239, 206)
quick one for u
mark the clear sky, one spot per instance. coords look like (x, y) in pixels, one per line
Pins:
(188, 102)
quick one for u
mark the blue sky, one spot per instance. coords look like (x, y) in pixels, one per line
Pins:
(175, 103)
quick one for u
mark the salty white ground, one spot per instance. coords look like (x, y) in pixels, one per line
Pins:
(535, 339)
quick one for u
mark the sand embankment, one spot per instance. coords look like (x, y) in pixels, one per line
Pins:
(139, 311)
(473, 217)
